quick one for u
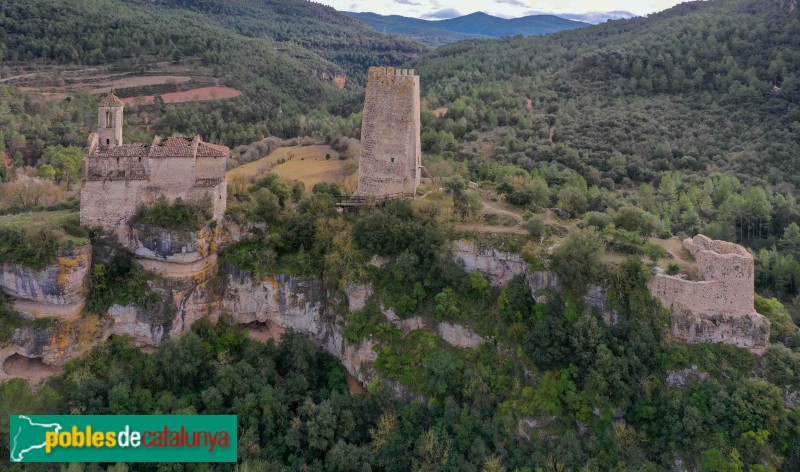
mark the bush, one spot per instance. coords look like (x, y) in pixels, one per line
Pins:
(35, 250)
(578, 259)
(673, 268)
(536, 227)
(177, 216)
(655, 252)
(597, 219)
(10, 319)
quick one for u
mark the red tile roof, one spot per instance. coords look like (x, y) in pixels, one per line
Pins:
(171, 147)
(212, 150)
(126, 150)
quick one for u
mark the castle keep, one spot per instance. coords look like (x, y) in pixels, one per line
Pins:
(390, 134)
(719, 307)
(118, 178)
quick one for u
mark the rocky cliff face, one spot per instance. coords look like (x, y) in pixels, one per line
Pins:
(181, 247)
(51, 344)
(749, 331)
(60, 283)
(500, 267)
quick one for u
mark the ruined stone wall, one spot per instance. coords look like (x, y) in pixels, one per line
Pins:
(727, 273)
(209, 168)
(701, 295)
(390, 133)
(215, 195)
(720, 307)
(110, 204)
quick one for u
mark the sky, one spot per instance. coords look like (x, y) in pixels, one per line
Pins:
(441, 9)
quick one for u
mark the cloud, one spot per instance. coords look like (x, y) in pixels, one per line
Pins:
(516, 3)
(407, 2)
(442, 14)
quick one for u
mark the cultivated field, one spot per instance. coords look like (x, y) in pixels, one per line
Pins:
(139, 81)
(198, 95)
(304, 163)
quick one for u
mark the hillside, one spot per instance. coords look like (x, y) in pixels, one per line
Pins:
(313, 26)
(534, 25)
(472, 26)
(286, 58)
(424, 31)
(703, 87)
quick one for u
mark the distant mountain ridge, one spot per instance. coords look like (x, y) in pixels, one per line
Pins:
(473, 26)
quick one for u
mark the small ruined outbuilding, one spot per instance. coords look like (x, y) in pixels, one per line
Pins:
(719, 307)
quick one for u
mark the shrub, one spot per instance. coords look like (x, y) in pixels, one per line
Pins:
(536, 227)
(10, 319)
(597, 219)
(578, 259)
(178, 215)
(673, 268)
(655, 252)
(36, 250)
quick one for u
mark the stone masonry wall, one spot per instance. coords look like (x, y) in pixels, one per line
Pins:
(727, 273)
(110, 204)
(720, 307)
(390, 133)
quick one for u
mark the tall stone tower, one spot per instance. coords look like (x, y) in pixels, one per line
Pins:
(391, 155)
(109, 121)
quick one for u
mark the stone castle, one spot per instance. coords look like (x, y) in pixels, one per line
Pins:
(391, 156)
(118, 178)
(719, 307)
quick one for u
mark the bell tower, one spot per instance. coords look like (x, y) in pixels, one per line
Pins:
(109, 121)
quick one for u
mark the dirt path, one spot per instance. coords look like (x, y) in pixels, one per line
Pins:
(487, 208)
(491, 229)
(178, 270)
(21, 76)
(675, 249)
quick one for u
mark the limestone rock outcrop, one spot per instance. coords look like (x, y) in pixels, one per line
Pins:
(498, 266)
(459, 336)
(62, 282)
(719, 307)
(182, 247)
(51, 344)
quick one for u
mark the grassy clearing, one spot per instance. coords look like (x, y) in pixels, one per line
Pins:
(63, 224)
(34, 239)
(304, 163)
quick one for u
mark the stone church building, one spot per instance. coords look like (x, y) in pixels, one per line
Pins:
(118, 177)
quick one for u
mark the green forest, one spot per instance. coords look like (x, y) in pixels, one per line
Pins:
(605, 141)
